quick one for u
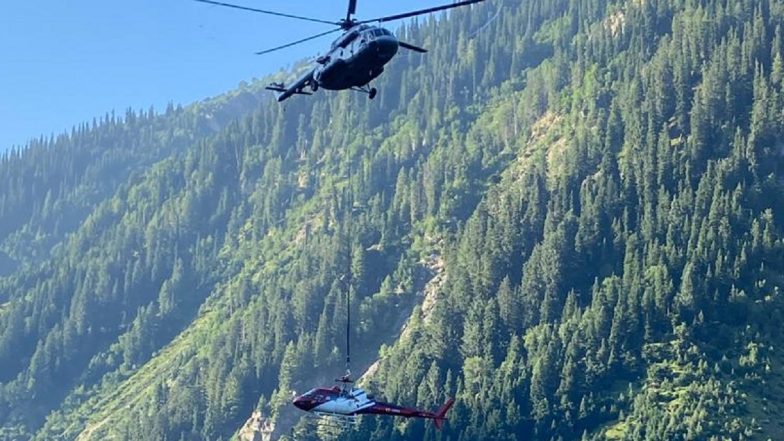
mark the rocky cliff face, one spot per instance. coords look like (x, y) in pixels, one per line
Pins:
(257, 428)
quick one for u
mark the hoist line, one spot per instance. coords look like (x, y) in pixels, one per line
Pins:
(349, 250)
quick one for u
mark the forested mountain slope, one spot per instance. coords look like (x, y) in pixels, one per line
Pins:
(48, 189)
(602, 180)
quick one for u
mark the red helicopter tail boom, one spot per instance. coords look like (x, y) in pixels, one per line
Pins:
(438, 416)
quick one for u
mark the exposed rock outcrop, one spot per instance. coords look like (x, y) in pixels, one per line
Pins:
(257, 428)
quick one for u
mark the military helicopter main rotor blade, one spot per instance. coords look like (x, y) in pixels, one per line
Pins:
(411, 47)
(352, 9)
(421, 11)
(264, 11)
(313, 37)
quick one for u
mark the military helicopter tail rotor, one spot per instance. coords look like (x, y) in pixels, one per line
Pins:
(312, 37)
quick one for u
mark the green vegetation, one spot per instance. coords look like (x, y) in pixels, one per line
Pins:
(601, 179)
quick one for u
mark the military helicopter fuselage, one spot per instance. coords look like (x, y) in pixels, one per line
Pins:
(355, 59)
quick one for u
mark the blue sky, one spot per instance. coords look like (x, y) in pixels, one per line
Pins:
(65, 62)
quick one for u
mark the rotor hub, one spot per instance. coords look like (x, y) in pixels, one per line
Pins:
(348, 23)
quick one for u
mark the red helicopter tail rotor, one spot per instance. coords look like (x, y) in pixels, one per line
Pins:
(440, 415)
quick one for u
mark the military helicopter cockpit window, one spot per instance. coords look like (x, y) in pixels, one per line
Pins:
(375, 33)
(345, 40)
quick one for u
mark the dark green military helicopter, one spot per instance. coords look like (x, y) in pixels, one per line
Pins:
(355, 58)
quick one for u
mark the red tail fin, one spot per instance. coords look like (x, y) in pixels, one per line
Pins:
(440, 415)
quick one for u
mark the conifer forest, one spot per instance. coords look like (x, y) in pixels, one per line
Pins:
(568, 215)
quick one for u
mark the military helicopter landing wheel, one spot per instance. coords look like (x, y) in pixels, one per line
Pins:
(314, 86)
(372, 94)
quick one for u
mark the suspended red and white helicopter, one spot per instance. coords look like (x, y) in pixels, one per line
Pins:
(345, 403)
(354, 59)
